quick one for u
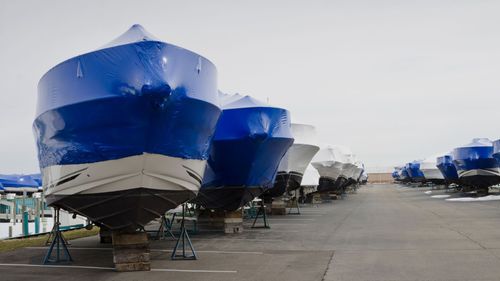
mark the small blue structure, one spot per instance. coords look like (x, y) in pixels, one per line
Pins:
(19, 183)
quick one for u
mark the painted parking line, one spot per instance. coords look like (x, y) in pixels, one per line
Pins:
(158, 250)
(276, 219)
(111, 268)
(55, 266)
(193, 270)
(274, 223)
(238, 239)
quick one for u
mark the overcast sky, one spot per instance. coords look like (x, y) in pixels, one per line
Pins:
(394, 80)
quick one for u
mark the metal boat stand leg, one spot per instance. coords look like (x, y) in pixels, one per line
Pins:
(183, 242)
(165, 227)
(59, 243)
(261, 212)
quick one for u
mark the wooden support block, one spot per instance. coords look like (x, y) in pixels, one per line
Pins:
(138, 266)
(233, 222)
(131, 251)
(131, 255)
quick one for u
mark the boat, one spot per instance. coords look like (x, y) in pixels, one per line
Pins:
(447, 168)
(358, 170)
(294, 163)
(348, 168)
(364, 178)
(123, 132)
(477, 168)
(404, 176)
(395, 174)
(496, 150)
(309, 183)
(429, 169)
(414, 172)
(18, 183)
(330, 162)
(247, 147)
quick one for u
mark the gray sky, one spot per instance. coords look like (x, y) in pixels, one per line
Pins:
(394, 80)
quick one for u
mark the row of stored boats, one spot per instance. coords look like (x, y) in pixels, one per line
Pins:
(138, 127)
(474, 167)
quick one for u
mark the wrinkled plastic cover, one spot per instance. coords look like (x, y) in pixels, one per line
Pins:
(304, 147)
(247, 117)
(304, 134)
(135, 34)
(328, 153)
(347, 152)
(128, 65)
(136, 95)
(249, 142)
(238, 101)
(224, 98)
(446, 158)
(430, 162)
(478, 148)
(478, 142)
(496, 147)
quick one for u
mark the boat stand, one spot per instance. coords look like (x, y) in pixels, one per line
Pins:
(294, 205)
(183, 242)
(58, 242)
(165, 228)
(261, 213)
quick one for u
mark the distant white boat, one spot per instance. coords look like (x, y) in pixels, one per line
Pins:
(330, 163)
(431, 172)
(295, 161)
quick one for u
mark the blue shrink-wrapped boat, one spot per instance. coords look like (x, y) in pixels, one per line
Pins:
(123, 132)
(404, 175)
(249, 142)
(496, 150)
(477, 168)
(414, 172)
(447, 168)
(395, 174)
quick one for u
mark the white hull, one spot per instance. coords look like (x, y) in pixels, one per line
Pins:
(348, 170)
(480, 172)
(432, 174)
(297, 158)
(311, 177)
(429, 168)
(357, 173)
(150, 171)
(329, 169)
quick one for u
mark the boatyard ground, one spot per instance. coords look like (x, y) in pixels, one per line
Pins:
(384, 232)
